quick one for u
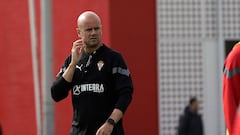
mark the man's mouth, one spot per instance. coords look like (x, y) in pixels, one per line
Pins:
(93, 38)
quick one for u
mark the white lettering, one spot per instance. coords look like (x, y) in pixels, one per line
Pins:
(101, 88)
(95, 88)
(90, 87)
(83, 88)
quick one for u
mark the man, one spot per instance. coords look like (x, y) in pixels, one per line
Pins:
(190, 123)
(231, 87)
(100, 82)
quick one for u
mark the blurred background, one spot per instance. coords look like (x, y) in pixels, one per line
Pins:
(174, 49)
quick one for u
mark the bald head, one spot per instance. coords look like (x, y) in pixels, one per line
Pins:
(90, 29)
(87, 16)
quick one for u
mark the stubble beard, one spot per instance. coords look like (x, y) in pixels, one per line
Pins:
(93, 45)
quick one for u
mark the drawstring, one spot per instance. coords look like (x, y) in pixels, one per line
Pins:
(89, 60)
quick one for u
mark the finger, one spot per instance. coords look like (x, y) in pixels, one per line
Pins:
(98, 133)
(79, 41)
(77, 45)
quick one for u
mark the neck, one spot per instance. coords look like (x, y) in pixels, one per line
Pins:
(90, 50)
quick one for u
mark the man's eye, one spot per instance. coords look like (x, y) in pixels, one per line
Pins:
(89, 29)
(96, 28)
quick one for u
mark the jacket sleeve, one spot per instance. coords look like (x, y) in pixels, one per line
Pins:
(236, 129)
(182, 127)
(60, 86)
(231, 89)
(123, 85)
(230, 102)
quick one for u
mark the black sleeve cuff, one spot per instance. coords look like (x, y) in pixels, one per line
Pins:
(124, 100)
(59, 89)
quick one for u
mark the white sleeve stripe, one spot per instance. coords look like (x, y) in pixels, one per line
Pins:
(120, 71)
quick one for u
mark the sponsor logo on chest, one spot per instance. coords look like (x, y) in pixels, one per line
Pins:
(94, 87)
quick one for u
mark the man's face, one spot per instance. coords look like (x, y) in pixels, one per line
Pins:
(194, 106)
(90, 31)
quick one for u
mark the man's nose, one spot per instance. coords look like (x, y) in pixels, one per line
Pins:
(93, 32)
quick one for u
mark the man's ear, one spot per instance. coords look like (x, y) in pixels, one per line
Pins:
(78, 32)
